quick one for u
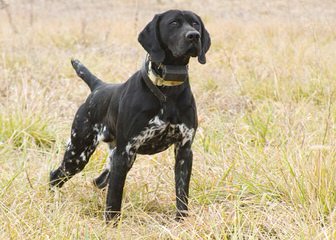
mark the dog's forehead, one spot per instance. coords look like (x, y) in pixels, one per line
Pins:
(175, 14)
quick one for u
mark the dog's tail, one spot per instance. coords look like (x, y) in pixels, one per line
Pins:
(91, 80)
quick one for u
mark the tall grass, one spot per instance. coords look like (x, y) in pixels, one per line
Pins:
(264, 154)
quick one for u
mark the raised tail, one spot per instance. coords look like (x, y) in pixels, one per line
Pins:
(91, 80)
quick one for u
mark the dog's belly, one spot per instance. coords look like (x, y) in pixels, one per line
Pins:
(158, 136)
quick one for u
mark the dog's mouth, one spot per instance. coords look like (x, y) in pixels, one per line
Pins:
(193, 50)
(188, 50)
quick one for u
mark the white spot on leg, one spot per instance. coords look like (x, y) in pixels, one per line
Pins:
(131, 160)
(128, 147)
(187, 133)
(96, 128)
(99, 129)
(109, 160)
(83, 156)
(68, 144)
(100, 137)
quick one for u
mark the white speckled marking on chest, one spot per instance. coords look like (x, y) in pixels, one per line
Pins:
(154, 129)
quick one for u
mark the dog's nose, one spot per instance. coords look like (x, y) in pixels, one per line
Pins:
(193, 36)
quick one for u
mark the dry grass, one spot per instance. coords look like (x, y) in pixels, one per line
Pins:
(265, 150)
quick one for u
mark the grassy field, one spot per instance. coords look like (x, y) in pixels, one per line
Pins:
(265, 151)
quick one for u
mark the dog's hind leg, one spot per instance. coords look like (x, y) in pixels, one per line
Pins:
(85, 137)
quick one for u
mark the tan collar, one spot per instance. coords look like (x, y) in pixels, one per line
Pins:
(159, 81)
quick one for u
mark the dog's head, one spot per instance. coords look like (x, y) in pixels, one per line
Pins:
(175, 34)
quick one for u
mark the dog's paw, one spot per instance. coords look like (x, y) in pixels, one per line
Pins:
(102, 180)
(56, 179)
(181, 215)
(112, 217)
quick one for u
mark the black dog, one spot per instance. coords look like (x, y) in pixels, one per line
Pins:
(148, 113)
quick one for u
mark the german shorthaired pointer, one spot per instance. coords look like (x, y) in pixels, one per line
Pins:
(151, 111)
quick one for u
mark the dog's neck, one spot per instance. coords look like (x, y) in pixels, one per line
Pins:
(170, 59)
(171, 75)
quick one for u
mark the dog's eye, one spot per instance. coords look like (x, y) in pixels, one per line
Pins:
(195, 24)
(173, 23)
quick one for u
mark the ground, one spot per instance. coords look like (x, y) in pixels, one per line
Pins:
(264, 153)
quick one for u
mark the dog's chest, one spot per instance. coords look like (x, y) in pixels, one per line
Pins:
(158, 135)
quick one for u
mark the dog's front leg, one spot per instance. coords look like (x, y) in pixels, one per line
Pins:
(121, 163)
(183, 166)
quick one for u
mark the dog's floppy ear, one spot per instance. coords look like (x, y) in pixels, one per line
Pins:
(205, 42)
(150, 40)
